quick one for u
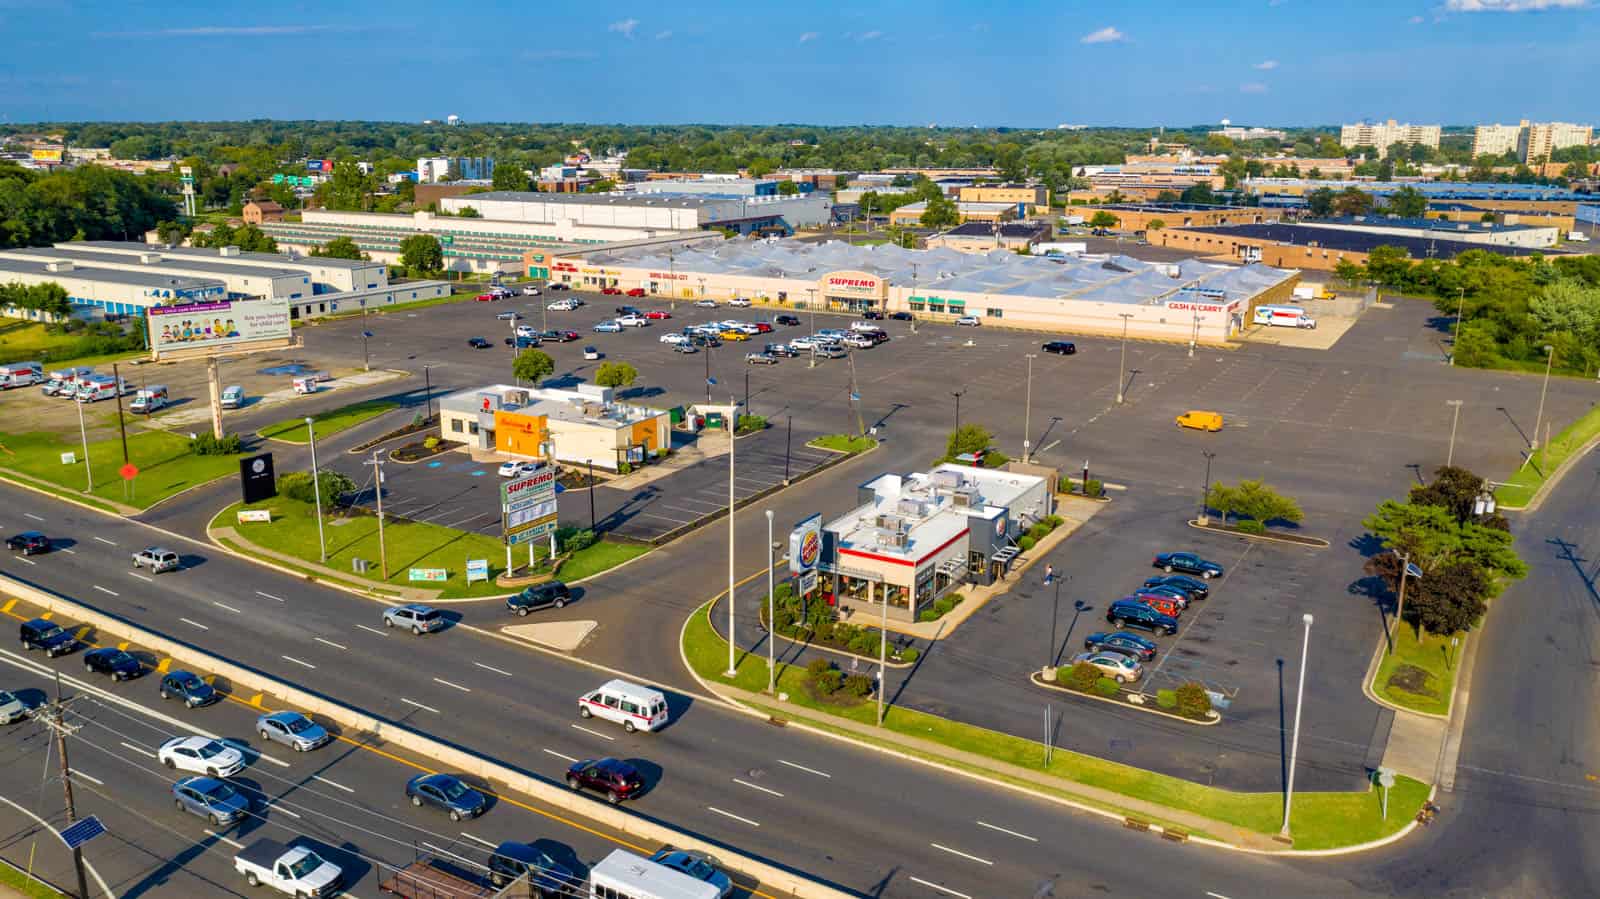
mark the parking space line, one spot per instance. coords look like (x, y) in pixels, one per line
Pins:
(223, 605)
(37, 518)
(480, 840)
(26, 559)
(933, 886)
(139, 749)
(102, 589)
(278, 807)
(269, 596)
(90, 778)
(98, 539)
(373, 629)
(298, 662)
(440, 680)
(330, 643)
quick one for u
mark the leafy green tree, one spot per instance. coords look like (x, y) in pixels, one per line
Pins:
(1199, 193)
(1168, 196)
(339, 248)
(603, 186)
(788, 188)
(1569, 305)
(616, 374)
(1261, 502)
(1104, 219)
(941, 213)
(1351, 273)
(347, 188)
(532, 366)
(1389, 265)
(1155, 225)
(1224, 499)
(171, 233)
(508, 176)
(1474, 345)
(967, 439)
(760, 168)
(1352, 201)
(469, 212)
(1407, 202)
(421, 254)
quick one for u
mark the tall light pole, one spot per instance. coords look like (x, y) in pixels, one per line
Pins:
(427, 390)
(1027, 408)
(1549, 358)
(1294, 742)
(957, 394)
(1205, 492)
(84, 435)
(1461, 306)
(733, 670)
(1122, 363)
(366, 358)
(1194, 335)
(772, 618)
(1450, 457)
(883, 649)
(377, 490)
(672, 282)
(316, 490)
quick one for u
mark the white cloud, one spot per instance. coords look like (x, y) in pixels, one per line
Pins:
(1252, 87)
(1511, 5)
(1414, 20)
(808, 36)
(1106, 35)
(871, 35)
(624, 27)
(1267, 65)
(663, 35)
(228, 31)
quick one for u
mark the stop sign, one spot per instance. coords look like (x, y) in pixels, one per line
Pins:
(128, 470)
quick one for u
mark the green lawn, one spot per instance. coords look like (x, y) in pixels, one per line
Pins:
(600, 557)
(24, 341)
(165, 464)
(1320, 820)
(843, 443)
(1425, 669)
(17, 880)
(329, 423)
(1525, 482)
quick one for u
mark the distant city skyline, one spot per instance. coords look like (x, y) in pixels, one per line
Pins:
(1029, 64)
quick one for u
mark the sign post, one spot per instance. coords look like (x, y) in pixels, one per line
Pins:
(528, 511)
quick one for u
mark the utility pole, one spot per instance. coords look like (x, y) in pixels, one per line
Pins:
(1027, 408)
(427, 392)
(377, 490)
(54, 717)
(84, 435)
(121, 424)
(772, 617)
(883, 649)
(591, 497)
(1450, 457)
(733, 669)
(1461, 306)
(1549, 359)
(957, 394)
(316, 488)
(1205, 492)
(1122, 362)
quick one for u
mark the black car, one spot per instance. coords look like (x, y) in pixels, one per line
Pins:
(1188, 563)
(448, 792)
(538, 596)
(872, 315)
(522, 342)
(901, 316)
(1197, 589)
(551, 878)
(780, 349)
(556, 336)
(188, 686)
(557, 286)
(28, 543)
(479, 343)
(1061, 347)
(628, 310)
(705, 340)
(1130, 613)
(48, 636)
(117, 663)
(786, 319)
(1131, 645)
(617, 779)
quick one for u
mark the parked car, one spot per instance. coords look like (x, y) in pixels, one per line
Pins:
(674, 337)
(611, 291)
(629, 310)
(733, 334)
(550, 593)
(549, 877)
(522, 343)
(872, 315)
(633, 321)
(1114, 665)
(515, 469)
(486, 298)
(1061, 347)
(1188, 563)
(591, 353)
(829, 351)
(1128, 644)
(558, 336)
(969, 321)
(559, 286)
(760, 358)
(1127, 613)
(1201, 420)
(762, 327)
(201, 755)
(636, 292)
(804, 343)
(116, 663)
(686, 347)
(615, 779)
(12, 709)
(419, 618)
(1176, 593)
(902, 316)
(294, 730)
(215, 800)
(1166, 605)
(608, 326)
(189, 687)
(698, 865)
(658, 315)
(157, 559)
(562, 305)
(787, 319)
(508, 316)
(447, 792)
(48, 636)
(530, 290)
(706, 340)
(781, 349)
(706, 304)
(479, 343)
(527, 331)
(740, 302)
(28, 543)
(860, 342)
(1196, 589)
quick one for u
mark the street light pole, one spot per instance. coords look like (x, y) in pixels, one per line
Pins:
(84, 435)
(957, 394)
(1294, 743)
(1549, 358)
(733, 670)
(1122, 363)
(1194, 335)
(1461, 305)
(1450, 457)
(1027, 408)
(427, 391)
(316, 490)
(883, 649)
(377, 489)
(1205, 492)
(772, 618)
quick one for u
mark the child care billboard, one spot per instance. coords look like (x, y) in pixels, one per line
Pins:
(212, 326)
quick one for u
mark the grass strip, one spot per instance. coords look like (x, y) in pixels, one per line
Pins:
(1519, 488)
(843, 443)
(166, 466)
(326, 424)
(1420, 673)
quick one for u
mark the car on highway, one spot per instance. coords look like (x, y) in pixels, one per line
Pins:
(201, 755)
(511, 860)
(787, 319)
(565, 304)
(613, 778)
(189, 687)
(156, 558)
(902, 316)
(674, 337)
(1060, 347)
(28, 543)
(1130, 613)
(39, 633)
(558, 336)
(118, 664)
(294, 730)
(706, 304)
(657, 315)
(609, 326)
(782, 350)
(479, 343)
(591, 353)
(969, 321)
(215, 800)
(419, 618)
(1188, 563)
(1114, 665)
(698, 865)
(686, 347)
(551, 593)
(508, 316)
(740, 302)
(1196, 589)
(1141, 648)
(636, 292)
(529, 290)
(12, 709)
(760, 358)
(447, 792)
(515, 469)
(1166, 605)
(486, 298)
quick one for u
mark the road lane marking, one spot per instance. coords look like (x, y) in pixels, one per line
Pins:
(752, 786)
(141, 577)
(330, 643)
(101, 539)
(419, 705)
(269, 596)
(193, 623)
(33, 516)
(104, 590)
(223, 605)
(1021, 836)
(561, 756)
(1215, 895)
(945, 890)
(480, 840)
(440, 680)
(89, 778)
(336, 786)
(494, 669)
(373, 629)
(712, 808)
(225, 839)
(267, 758)
(139, 749)
(805, 769)
(298, 662)
(594, 732)
(982, 861)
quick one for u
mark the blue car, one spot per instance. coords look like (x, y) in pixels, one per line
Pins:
(187, 686)
(448, 792)
(1196, 588)
(115, 662)
(215, 800)
(1188, 563)
(1133, 645)
(697, 865)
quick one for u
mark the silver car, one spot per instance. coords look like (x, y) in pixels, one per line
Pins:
(292, 729)
(416, 617)
(157, 559)
(11, 708)
(215, 800)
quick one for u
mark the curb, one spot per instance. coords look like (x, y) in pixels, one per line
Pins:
(1555, 476)
(1319, 544)
(1037, 681)
(1372, 672)
(66, 499)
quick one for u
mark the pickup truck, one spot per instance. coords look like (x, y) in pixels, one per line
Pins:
(294, 870)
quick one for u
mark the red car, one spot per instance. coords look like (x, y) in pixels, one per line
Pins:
(487, 298)
(611, 291)
(636, 292)
(658, 314)
(763, 328)
(1166, 605)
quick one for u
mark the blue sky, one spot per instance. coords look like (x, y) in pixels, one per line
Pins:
(1020, 63)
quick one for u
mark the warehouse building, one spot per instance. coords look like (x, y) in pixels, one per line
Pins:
(241, 281)
(982, 237)
(1303, 247)
(1490, 195)
(1493, 233)
(326, 274)
(1035, 197)
(651, 212)
(910, 215)
(582, 426)
(114, 292)
(1138, 216)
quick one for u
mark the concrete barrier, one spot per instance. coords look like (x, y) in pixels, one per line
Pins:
(449, 757)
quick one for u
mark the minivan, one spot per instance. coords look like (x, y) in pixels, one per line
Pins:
(630, 705)
(232, 397)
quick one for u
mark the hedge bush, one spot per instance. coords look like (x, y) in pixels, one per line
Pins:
(1167, 699)
(1107, 687)
(208, 445)
(1193, 702)
(857, 685)
(297, 485)
(1093, 488)
(431, 443)
(1026, 542)
(864, 644)
(1250, 526)
(818, 666)
(928, 615)
(910, 654)
(1082, 677)
(572, 539)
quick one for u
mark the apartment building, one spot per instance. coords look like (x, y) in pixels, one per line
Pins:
(1540, 139)
(1369, 134)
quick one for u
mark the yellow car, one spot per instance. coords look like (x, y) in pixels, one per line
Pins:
(1203, 421)
(731, 334)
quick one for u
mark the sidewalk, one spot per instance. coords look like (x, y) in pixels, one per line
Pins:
(408, 594)
(1426, 747)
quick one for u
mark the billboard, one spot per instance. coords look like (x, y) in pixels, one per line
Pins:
(211, 325)
(805, 546)
(52, 155)
(528, 506)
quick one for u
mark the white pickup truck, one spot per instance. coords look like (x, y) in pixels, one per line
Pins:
(294, 870)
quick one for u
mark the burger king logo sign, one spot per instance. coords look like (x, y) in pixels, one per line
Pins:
(810, 549)
(805, 546)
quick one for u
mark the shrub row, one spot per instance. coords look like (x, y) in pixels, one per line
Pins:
(941, 607)
(822, 628)
(1190, 700)
(827, 680)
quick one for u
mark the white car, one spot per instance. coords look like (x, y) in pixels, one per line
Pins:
(674, 337)
(201, 755)
(516, 469)
(706, 304)
(508, 316)
(803, 343)
(971, 321)
(527, 331)
(859, 342)
(530, 291)
(741, 302)
(633, 321)
(11, 708)
(562, 306)
(747, 328)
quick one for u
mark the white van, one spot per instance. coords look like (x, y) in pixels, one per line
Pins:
(64, 382)
(102, 387)
(623, 875)
(21, 374)
(232, 397)
(630, 705)
(149, 399)
(1284, 317)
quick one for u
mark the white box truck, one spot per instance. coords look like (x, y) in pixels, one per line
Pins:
(1283, 317)
(102, 387)
(21, 374)
(149, 399)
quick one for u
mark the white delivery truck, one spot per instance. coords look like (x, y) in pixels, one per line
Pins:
(1578, 236)
(1283, 317)
(101, 387)
(21, 374)
(64, 381)
(624, 874)
(149, 399)
(294, 870)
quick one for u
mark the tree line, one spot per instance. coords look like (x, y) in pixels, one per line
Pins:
(86, 203)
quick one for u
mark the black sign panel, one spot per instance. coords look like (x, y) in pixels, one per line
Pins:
(256, 477)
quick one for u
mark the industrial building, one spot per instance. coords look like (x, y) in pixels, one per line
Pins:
(1036, 198)
(653, 213)
(1139, 216)
(1302, 247)
(982, 237)
(582, 426)
(1382, 136)
(240, 281)
(1291, 192)
(326, 274)
(910, 215)
(110, 291)
(1497, 234)
(1472, 212)
(716, 186)
(1181, 300)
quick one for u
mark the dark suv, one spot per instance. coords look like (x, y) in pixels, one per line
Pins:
(538, 596)
(512, 860)
(1130, 613)
(1061, 347)
(48, 636)
(617, 779)
(786, 319)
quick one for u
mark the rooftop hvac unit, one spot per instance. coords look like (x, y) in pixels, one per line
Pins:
(887, 522)
(913, 508)
(228, 251)
(946, 479)
(149, 258)
(897, 539)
